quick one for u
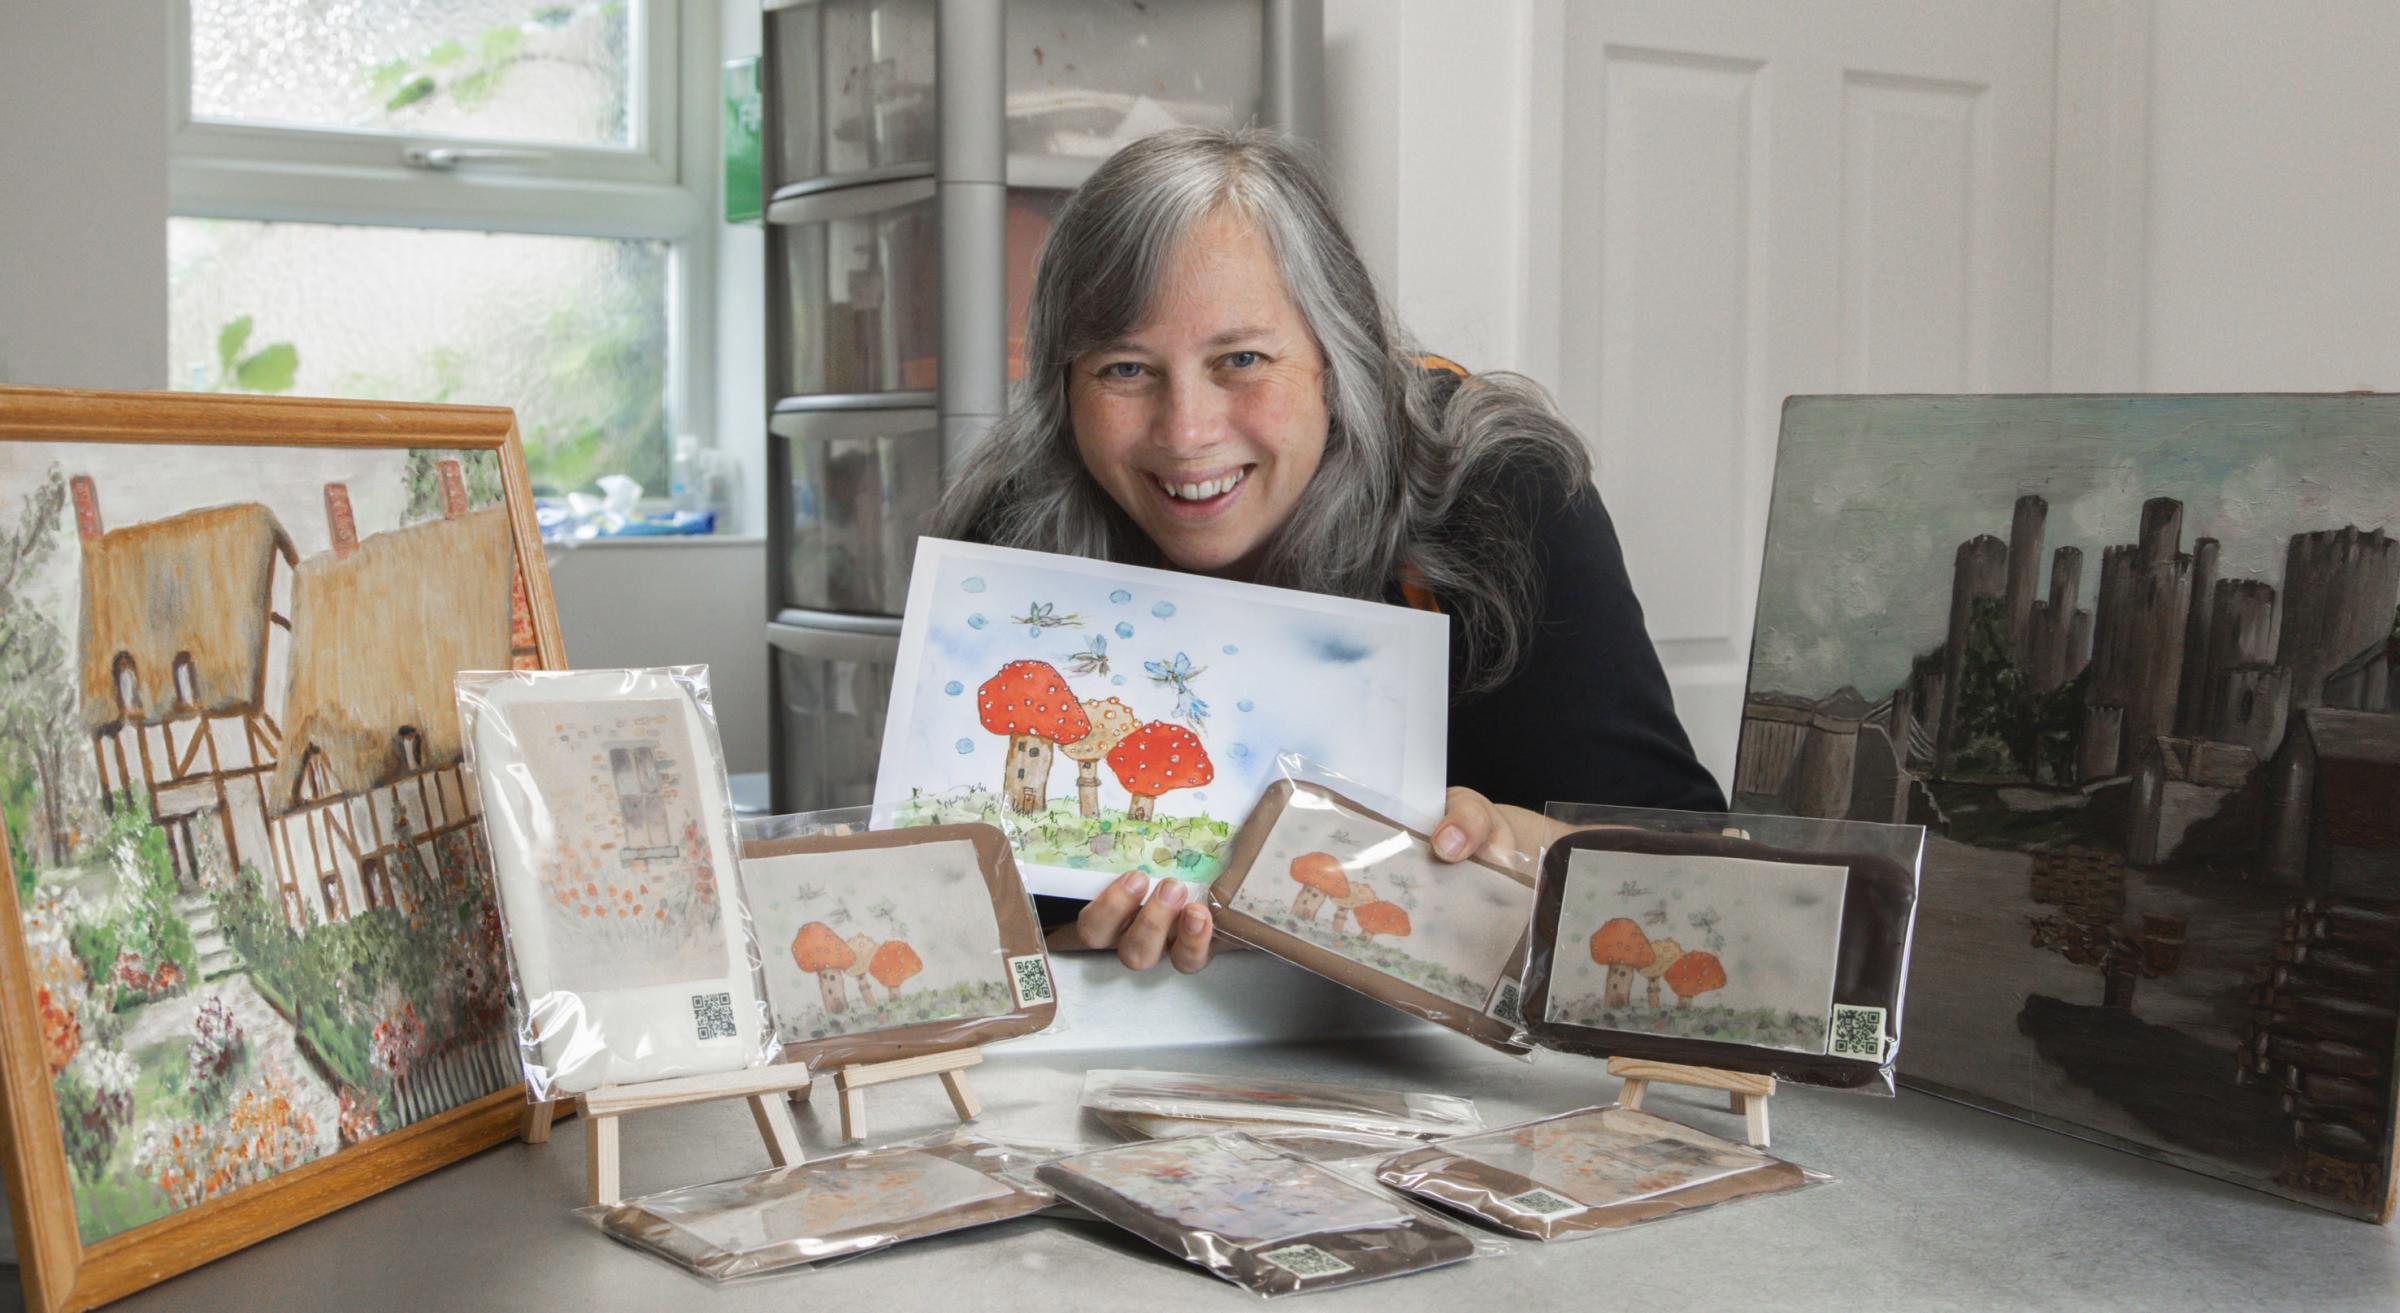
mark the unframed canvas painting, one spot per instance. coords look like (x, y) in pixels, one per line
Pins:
(255, 897)
(1713, 948)
(2135, 663)
(1111, 718)
(1374, 893)
(870, 938)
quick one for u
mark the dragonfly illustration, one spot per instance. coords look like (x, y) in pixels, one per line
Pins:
(1178, 675)
(1041, 615)
(1093, 659)
(1632, 889)
(1656, 915)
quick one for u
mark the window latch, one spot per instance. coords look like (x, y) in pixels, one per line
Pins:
(450, 157)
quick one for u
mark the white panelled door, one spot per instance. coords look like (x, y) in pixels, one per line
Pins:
(1770, 198)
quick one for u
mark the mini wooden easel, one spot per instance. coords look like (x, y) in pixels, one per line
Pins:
(765, 1087)
(853, 1081)
(1748, 1093)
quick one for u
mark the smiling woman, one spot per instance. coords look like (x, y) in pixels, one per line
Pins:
(1212, 384)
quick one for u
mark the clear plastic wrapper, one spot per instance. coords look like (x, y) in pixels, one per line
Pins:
(830, 1208)
(1584, 1172)
(1775, 945)
(1263, 1219)
(1315, 1143)
(1344, 883)
(882, 944)
(1245, 1099)
(612, 830)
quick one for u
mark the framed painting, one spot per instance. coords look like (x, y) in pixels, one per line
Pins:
(1778, 948)
(2134, 662)
(891, 944)
(1110, 718)
(1328, 884)
(611, 825)
(250, 970)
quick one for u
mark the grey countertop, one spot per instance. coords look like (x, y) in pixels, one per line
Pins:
(1935, 1205)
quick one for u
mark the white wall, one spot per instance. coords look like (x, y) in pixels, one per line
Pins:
(2274, 183)
(83, 194)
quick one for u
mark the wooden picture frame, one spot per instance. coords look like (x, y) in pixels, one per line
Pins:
(1488, 1025)
(1870, 964)
(1033, 995)
(165, 465)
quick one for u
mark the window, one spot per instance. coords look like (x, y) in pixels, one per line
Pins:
(187, 682)
(128, 682)
(502, 202)
(641, 802)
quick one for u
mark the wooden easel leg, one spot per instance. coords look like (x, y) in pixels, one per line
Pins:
(962, 1097)
(774, 1118)
(1756, 1115)
(1630, 1094)
(854, 1115)
(600, 1159)
(535, 1129)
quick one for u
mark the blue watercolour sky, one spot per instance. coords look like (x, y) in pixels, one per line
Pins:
(1252, 679)
(1873, 496)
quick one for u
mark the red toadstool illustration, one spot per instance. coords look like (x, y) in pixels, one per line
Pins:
(895, 962)
(1620, 946)
(1320, 876)
(1663, 953)
(1030, 703)
(1111, 722)
(1383, 919)
(817, 948)
(1695, 974)
(1155, 758)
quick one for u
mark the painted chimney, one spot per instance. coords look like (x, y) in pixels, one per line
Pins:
(339, 521)
(454, 490)
(87, 506)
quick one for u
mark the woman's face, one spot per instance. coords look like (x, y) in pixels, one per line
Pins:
(1206, 420)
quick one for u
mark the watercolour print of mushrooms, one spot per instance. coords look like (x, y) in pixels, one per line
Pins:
(1320, 876)
(1361, 893)
(1381, 918)
(1621, 947)
(1156, 759)
(895, 962)
(1111, 722)
(1030, 703)
(817, 948)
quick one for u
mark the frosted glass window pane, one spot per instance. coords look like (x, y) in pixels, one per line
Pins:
(571, 332)
(1084, 79)
(510, 70)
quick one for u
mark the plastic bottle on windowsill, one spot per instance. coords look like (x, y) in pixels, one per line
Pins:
(687, 474)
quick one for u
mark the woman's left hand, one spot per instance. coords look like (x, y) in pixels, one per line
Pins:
(1475, 826)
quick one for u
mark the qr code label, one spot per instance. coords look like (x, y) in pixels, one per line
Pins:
(1030, 975)
(712, 1016)
(1543, 1204)
(1857, 1032)
(1306, 1261)
(1506, 1005)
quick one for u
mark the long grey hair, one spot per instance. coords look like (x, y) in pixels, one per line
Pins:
(1409, 481)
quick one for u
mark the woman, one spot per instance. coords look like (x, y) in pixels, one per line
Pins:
(1212, 385)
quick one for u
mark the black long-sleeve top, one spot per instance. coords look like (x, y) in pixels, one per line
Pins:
(1586, 715)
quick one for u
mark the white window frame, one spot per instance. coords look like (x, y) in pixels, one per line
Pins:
(662, 188)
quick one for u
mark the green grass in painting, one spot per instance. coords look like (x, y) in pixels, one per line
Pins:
(1765, 1027)
(1111, 843)
(1385, 954)
(987, 998)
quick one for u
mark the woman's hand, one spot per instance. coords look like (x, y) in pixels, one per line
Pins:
(1173, 923)
(1475, 826)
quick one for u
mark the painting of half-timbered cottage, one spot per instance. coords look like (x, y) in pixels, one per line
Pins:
(255, 907)
(2131, 661)
(182, 619)
(368, 788)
